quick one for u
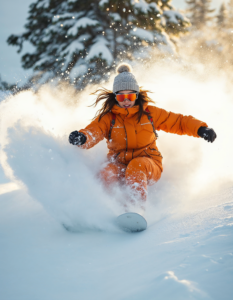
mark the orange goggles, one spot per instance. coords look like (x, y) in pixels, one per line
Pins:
(121, 97)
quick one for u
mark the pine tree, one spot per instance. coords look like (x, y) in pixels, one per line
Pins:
(222, 16)
(225, 36)
(200, 12)
(205, 11)
(230, 14)
(193, 9)
(5, 86)
(82, 40)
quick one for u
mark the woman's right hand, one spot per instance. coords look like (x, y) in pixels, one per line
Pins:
(77, 138)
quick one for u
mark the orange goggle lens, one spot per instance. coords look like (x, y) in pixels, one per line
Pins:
(121, 97)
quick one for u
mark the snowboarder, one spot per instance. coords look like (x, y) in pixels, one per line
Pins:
(130, 126)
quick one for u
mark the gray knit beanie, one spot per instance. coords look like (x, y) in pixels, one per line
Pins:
(125, 80)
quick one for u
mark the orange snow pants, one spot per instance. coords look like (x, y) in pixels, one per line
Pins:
(137, 174)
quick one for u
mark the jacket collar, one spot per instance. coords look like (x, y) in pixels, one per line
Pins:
(127, 112)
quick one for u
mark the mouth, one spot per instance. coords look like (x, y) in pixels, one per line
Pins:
(126, 106)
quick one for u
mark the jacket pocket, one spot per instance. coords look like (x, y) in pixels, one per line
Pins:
(147, 126)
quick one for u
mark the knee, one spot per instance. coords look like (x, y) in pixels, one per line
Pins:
(144, 167)
(137, 165)
(136, 170)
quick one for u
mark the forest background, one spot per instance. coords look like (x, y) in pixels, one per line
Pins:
(195, 31)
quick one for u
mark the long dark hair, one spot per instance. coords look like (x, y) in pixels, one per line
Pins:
(109, 101)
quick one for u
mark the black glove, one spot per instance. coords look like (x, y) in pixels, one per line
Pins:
(77, 138)
(207, 134)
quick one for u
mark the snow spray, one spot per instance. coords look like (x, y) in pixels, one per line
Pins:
(35, 153)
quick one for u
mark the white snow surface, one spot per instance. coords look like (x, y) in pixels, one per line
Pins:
(187, 250)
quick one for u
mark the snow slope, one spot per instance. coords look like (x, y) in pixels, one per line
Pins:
(180, 257)
(187, 251)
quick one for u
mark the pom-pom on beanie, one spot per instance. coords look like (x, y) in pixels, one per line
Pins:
(125, 80)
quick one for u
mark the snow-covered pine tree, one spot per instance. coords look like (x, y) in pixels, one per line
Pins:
(200, 12)
(82, 40)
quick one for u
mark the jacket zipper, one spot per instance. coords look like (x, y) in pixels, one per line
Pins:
(126, 138)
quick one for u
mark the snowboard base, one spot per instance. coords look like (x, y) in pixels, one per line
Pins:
(131, 222)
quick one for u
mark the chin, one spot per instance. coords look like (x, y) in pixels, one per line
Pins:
(127, 106)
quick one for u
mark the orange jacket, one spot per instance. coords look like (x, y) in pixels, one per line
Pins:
(130, 139)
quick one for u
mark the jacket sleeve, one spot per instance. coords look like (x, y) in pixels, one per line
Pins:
(96, 131)
(176, 123)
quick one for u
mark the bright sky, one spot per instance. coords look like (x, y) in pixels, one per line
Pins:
(13, 16)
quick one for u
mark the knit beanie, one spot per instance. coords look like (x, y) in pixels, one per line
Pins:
(125, 80)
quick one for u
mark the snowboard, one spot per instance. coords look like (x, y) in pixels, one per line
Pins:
(131, 222)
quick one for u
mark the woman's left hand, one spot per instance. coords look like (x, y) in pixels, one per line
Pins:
(207, 134)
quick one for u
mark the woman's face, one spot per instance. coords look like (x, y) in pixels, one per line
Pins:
(126, 103)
